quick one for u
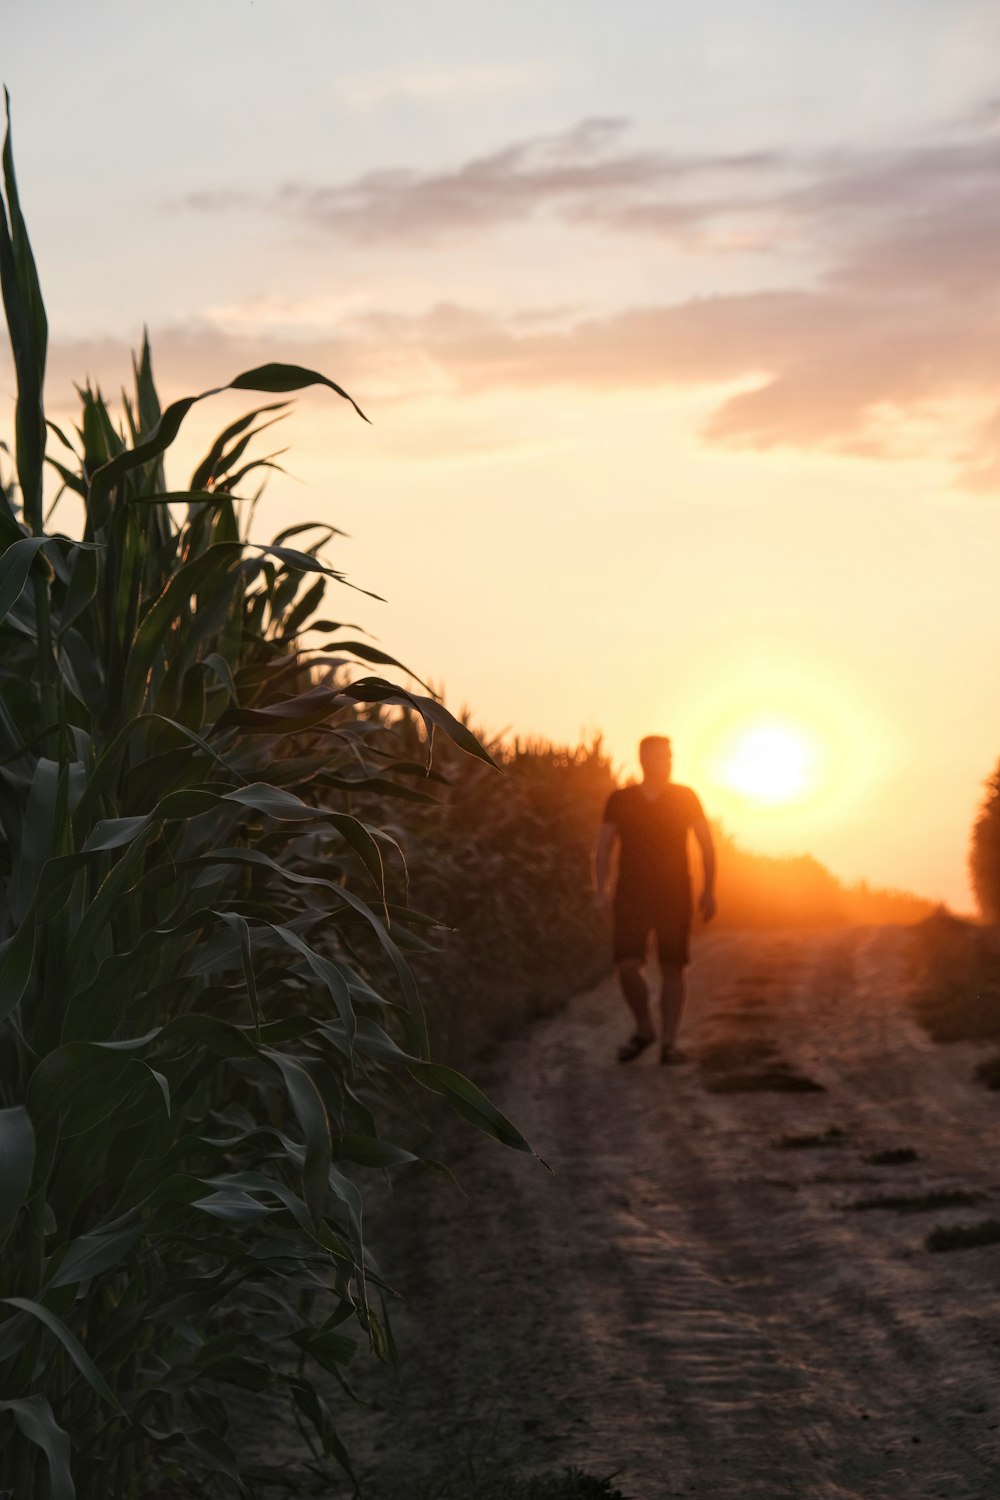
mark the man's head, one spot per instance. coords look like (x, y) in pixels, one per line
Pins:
(656, 758)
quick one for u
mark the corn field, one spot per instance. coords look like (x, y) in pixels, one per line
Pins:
(503, 862)
(199, 1060)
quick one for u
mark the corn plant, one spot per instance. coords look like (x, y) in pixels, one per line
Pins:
(197, 1061)
(505, 862)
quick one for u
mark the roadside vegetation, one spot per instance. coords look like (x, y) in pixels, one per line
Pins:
(504, 863)
(200, 1066)
(957, 962)
(984, 852)
(759, 890)
(957, 974)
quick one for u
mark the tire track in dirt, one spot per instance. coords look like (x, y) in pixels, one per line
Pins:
(682, 1303)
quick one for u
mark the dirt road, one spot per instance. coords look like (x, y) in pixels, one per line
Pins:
(688, 1300)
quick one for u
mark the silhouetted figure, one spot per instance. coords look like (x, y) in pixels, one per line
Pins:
(649, 825)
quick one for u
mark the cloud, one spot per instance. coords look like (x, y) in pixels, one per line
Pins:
(821, 369)
(897, 331)
(826, 369)
(587, 172)
(980, 468)
(590, 175)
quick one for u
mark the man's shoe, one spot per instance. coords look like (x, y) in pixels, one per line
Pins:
(634, 1047)
(670, 1054)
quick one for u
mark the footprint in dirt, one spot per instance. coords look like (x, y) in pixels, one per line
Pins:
(751, 1065)
(893, 1156)
(963, 1236)
(833, 1136)
(917, 1203)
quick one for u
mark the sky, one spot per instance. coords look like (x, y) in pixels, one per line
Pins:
(678, 332)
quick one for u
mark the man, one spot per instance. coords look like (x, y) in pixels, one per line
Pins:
(649, 825)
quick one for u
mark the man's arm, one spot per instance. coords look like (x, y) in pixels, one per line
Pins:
(603, 855)
(703, 834)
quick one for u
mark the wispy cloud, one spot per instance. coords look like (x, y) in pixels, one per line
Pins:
(820, 370)
(588, 172)
(841, 207)
(899, 325)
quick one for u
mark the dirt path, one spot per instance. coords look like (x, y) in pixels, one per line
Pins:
(683, 1301)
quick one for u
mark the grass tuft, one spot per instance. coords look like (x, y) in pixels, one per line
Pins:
(832, 1137)
(568, 1484)
(919, 1203)
(893, 1156)
(964, 1236)
(571, 1484)
(988, 1072)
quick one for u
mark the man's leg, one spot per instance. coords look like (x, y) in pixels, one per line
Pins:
(636, 993)
(672, 993)
(674, 943)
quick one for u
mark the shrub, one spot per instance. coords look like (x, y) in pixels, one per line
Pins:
(984, 854)
(956, 983)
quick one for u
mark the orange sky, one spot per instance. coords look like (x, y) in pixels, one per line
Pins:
(679, 338)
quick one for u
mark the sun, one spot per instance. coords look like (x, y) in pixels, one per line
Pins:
(785, 753)
(771, 763)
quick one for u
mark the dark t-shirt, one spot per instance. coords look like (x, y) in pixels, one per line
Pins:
(652, 853)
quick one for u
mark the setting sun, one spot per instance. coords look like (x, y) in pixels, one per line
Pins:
(768, 763)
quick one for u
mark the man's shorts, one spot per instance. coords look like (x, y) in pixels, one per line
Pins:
(635, 919)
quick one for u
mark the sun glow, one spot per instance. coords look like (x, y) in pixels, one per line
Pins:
(772, 763)
(787, 754)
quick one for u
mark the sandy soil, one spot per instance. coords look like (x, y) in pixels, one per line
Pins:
(682, 1301)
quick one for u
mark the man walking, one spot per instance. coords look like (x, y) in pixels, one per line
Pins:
(648, 824)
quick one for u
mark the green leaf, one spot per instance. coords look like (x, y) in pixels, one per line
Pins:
(216, 1454)
(202, 575)
(44, 822)
(92, 1255)
(72, 1345)
(208, 468)
(28, 329)
(273, 378)
(312, 1406)
(471, 1102)
(70, 480)
(36, 1420)
(17, 1163)
(189, 497)
(310, 1112)
(280, 378)
(241, 927)
(368, 1151)
(235, 1369)
(15, 565)
(289, 715)
(17, 957)
(433, 714)
(233, 1205)
(372, 654)
(80, 1085)
(297, 618)
(331, 1349)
